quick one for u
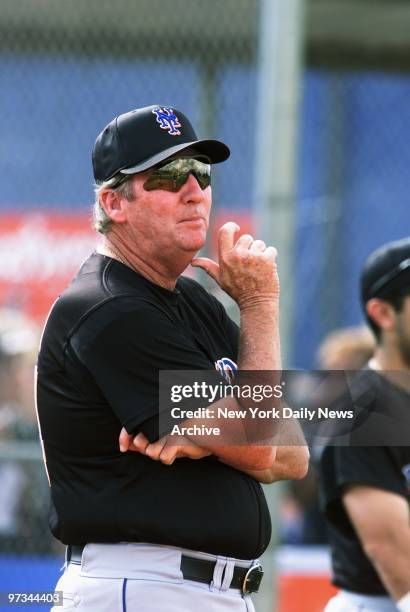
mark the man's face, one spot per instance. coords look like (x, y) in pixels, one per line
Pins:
(403, 331)
(163, 224)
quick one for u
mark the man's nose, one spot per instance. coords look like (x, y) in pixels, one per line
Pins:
(192, 191)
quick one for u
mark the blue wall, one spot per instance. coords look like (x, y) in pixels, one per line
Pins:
(52, 109)
(24, 574)
(366, 131)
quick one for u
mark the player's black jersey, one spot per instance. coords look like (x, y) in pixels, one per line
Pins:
(106, 339)
(383, 467)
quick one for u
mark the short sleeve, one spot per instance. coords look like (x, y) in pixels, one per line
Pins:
(127, 354)
(376, 466)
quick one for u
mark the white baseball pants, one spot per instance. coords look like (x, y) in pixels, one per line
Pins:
(147, 578)
(345, 601)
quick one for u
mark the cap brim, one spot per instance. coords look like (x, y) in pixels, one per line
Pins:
(215, 150)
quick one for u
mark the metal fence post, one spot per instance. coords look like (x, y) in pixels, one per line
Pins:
(278, 95)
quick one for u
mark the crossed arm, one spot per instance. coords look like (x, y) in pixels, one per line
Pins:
(290, 462)
(246, 270)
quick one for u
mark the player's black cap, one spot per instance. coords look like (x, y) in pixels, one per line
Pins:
(386, 270)
(141, 138)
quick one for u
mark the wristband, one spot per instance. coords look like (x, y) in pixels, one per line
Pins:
(404, 603)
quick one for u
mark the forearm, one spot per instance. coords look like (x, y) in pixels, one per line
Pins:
(291, 463)
(247, 271)
(259, 342)
(391, 560)
(248, 442)
(382, 521)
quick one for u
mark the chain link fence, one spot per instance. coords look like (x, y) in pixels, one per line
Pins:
(352, 193)
(67, 69)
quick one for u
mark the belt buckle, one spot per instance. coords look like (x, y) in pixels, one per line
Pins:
(252, 580)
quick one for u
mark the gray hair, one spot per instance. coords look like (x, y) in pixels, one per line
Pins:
(101, 221)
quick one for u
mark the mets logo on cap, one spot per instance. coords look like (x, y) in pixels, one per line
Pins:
(227, 368)
(167, 119)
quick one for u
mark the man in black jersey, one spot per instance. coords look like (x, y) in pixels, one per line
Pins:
(365, 488)
(157, 526)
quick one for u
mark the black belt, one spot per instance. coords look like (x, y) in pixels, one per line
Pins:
(247, 579)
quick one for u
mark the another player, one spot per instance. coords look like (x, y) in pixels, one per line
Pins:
(143, 534)
(365, 487)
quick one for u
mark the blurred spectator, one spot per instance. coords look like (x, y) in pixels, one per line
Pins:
(301, 521)
(22, 483)
(346, 349)
(18, 344)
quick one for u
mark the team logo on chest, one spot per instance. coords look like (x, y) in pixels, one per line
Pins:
(167, 120)
(406, 472)
(227, 368)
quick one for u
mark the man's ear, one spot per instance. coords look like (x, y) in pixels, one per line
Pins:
(113, 204)
(382, 313)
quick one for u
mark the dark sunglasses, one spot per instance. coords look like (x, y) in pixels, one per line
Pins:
(172, 175)
(387, 278)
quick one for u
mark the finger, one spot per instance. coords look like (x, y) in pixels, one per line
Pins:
(153, 451)
(169, 454)
(270, 253)
(210, 267)
(140, 442)
(124, 440)
(226, 237)
(258, 246)
(244, 241)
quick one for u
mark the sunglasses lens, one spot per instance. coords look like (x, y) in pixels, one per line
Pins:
(204, 179)
(168, 183)
(173, 175)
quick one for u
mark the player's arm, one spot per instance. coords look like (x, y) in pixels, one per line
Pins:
(291, 463)
(382, 522)
(291, 458)
(247, 272)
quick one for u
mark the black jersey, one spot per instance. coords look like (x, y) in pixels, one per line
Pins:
(106, 339)
(382, 467)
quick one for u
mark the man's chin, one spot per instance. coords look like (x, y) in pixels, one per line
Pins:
(192, 245)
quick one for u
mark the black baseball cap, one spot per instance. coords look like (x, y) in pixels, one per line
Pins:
(141, 138)
(386, 270)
